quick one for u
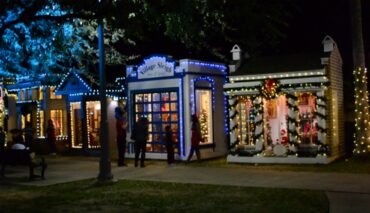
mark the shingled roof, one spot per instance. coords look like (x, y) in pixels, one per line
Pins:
(281, 63)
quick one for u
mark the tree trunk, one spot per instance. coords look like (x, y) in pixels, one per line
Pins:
(362, 144)
(357, 39)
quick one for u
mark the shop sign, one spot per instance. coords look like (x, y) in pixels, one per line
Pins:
(155, 67)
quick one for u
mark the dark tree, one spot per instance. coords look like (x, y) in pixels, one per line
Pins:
(362, 143)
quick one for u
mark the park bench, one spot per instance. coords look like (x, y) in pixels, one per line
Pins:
(22, 157)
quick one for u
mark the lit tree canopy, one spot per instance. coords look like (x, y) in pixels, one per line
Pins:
(39, 36)
(52, 38)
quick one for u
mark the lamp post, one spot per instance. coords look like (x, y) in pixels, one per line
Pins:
(105, 173)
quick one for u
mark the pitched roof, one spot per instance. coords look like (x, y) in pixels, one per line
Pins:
(281, 63)
(88, 82)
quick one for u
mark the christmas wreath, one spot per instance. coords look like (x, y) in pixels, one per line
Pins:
(270, 89)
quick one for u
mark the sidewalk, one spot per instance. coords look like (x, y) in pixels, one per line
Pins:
(346, 192)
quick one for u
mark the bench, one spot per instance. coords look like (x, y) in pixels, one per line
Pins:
(22, 157)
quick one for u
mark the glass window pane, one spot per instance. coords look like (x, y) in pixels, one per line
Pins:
(157, 127)
(150, 127)
(150, 137)
(139, 98)
(174, 107)
(156, 97)
(157, 107)
(173, 96)
(173, 117)
(137, 117)
(156, 137)
(204, 110)
(166, 117)
(139, 108)
(165, 107)
(149, 116)
(165, 96)
(147, 107)
(174, 127)
(147, 98)
(157, 117)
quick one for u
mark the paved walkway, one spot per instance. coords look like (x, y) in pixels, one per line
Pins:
(346, 192)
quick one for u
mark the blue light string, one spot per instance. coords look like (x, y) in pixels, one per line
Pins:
(182, 150)
(192, 84)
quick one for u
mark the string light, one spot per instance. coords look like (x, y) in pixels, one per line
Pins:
(267, 88)
(182, 150)
(192, 85)
(361, 135)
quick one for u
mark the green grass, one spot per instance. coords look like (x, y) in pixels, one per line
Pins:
(142, 196)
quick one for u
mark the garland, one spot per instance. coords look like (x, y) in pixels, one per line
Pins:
(234, 115)
(292, 107)
(234, 144)
(280, 87)
(260, 111)
(269, 89)
(322, 129)
(322, 116)
(288, 95)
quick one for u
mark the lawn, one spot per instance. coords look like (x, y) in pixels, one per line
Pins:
(359, 165)
(142, 196)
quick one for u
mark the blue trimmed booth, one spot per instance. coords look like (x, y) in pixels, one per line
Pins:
(33, 99)
(83, 107)
(168, 92)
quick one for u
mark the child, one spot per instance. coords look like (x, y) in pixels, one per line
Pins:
(169, 145)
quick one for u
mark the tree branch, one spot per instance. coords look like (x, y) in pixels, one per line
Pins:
(62, 18)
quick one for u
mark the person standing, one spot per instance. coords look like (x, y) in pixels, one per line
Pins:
(196, 137)
(51, 136)
(2, 144)
(121, 125)
(28, 135)
(140, 136)
(169, 145)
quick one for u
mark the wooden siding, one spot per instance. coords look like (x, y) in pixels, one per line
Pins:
(335, 75)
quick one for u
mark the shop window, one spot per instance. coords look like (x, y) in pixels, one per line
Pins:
(307, 118)
(42, 123)
(21, 95)
(275, 121)
(52, 94)
(40, 95)
(25, 118)
(204, 111)
(93, 123)
(161, 109)
(57, 117)
(76, 124)
(245, 121)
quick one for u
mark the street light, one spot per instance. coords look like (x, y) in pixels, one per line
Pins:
(105, 174)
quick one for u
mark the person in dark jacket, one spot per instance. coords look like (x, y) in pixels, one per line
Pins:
(2, 143)
(28, 135)
(196, 137)
(169, 145)
(51, 136)
(121, 125)
(140, 135)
